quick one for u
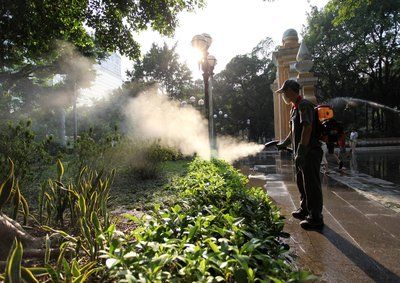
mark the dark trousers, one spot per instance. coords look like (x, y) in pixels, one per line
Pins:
(309, 184)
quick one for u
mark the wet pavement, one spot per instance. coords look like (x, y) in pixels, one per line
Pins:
(379, 162)
(361, 238)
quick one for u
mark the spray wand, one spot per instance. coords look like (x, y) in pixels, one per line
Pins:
(274, 143)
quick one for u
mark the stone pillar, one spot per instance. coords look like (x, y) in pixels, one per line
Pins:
(285, 61)
(305, 78)
(292, 61)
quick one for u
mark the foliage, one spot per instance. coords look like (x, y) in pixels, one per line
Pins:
(17, 142)
(132, 194)
(203, 239)
(141, 159)
(161, 64)
(218, 230)
(41, 40)
(89, 151)
(87, 205)
(29, 29)
(10, 194)
(243, 91)
(71, 271)
(356, 48)
(222, 186)
(13, 268)
(84, 199)
(85, 202)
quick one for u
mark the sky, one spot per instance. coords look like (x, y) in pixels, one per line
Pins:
(236, 26)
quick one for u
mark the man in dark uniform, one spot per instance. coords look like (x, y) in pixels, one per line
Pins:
(308, 155)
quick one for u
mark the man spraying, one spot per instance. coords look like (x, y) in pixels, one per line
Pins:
(308, 155)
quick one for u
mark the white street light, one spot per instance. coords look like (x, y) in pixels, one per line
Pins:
(215, 116)
(225, 116)
(208, 39)
(183, 104)
(200, 102)
(202, 42)
(192, 99)
(212, 61)
(220, 112)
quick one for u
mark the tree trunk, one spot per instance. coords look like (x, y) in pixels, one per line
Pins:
(9, 230)
(61, 133)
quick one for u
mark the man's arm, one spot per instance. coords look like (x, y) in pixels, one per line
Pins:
(283, 144)
(307, 117)
(306, 134)
(288, 139)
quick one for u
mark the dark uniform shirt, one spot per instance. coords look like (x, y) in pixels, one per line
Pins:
(303, 113)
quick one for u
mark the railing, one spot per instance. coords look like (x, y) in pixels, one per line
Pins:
(378, 141)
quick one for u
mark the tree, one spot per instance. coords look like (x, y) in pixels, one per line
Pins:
(243, 91)
(161, 64)
(356, 45)
(31, 31)
(30, 28)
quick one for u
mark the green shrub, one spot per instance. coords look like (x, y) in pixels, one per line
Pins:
(158, 152)
(219, 231)
(140, 159)
(17, 142)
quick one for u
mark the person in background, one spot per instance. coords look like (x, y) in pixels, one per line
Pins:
(308, 155)
(324, 162)
(341, 153)
(353, 140)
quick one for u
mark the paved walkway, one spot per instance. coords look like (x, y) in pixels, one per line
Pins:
(361, 238)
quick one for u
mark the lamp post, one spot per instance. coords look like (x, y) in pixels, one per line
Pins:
(75, 115)
(248, 122)
(220, 120)
(207, 63)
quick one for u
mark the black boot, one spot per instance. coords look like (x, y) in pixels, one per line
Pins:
(312, 223)
(300, 214)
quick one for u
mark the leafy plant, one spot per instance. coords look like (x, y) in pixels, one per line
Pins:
(218, 231)
(86, 197)
(73, 271)
(18, 143)
(10, 194)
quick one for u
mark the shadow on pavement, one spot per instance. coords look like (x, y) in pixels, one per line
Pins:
(371, 267)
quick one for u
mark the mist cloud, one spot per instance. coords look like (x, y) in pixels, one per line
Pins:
(150, 116)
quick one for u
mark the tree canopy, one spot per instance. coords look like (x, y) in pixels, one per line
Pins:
(356, 45)
(243, 91)
(161, 64)
(30, 30)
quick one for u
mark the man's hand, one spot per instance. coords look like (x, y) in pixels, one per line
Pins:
(300, 158)
(281, 145)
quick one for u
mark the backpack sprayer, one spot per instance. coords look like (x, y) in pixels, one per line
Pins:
(327, 128)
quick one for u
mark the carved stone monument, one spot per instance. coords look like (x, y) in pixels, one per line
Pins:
(292, 61)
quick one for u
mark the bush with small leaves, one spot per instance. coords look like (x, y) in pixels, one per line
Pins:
(18, 143)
